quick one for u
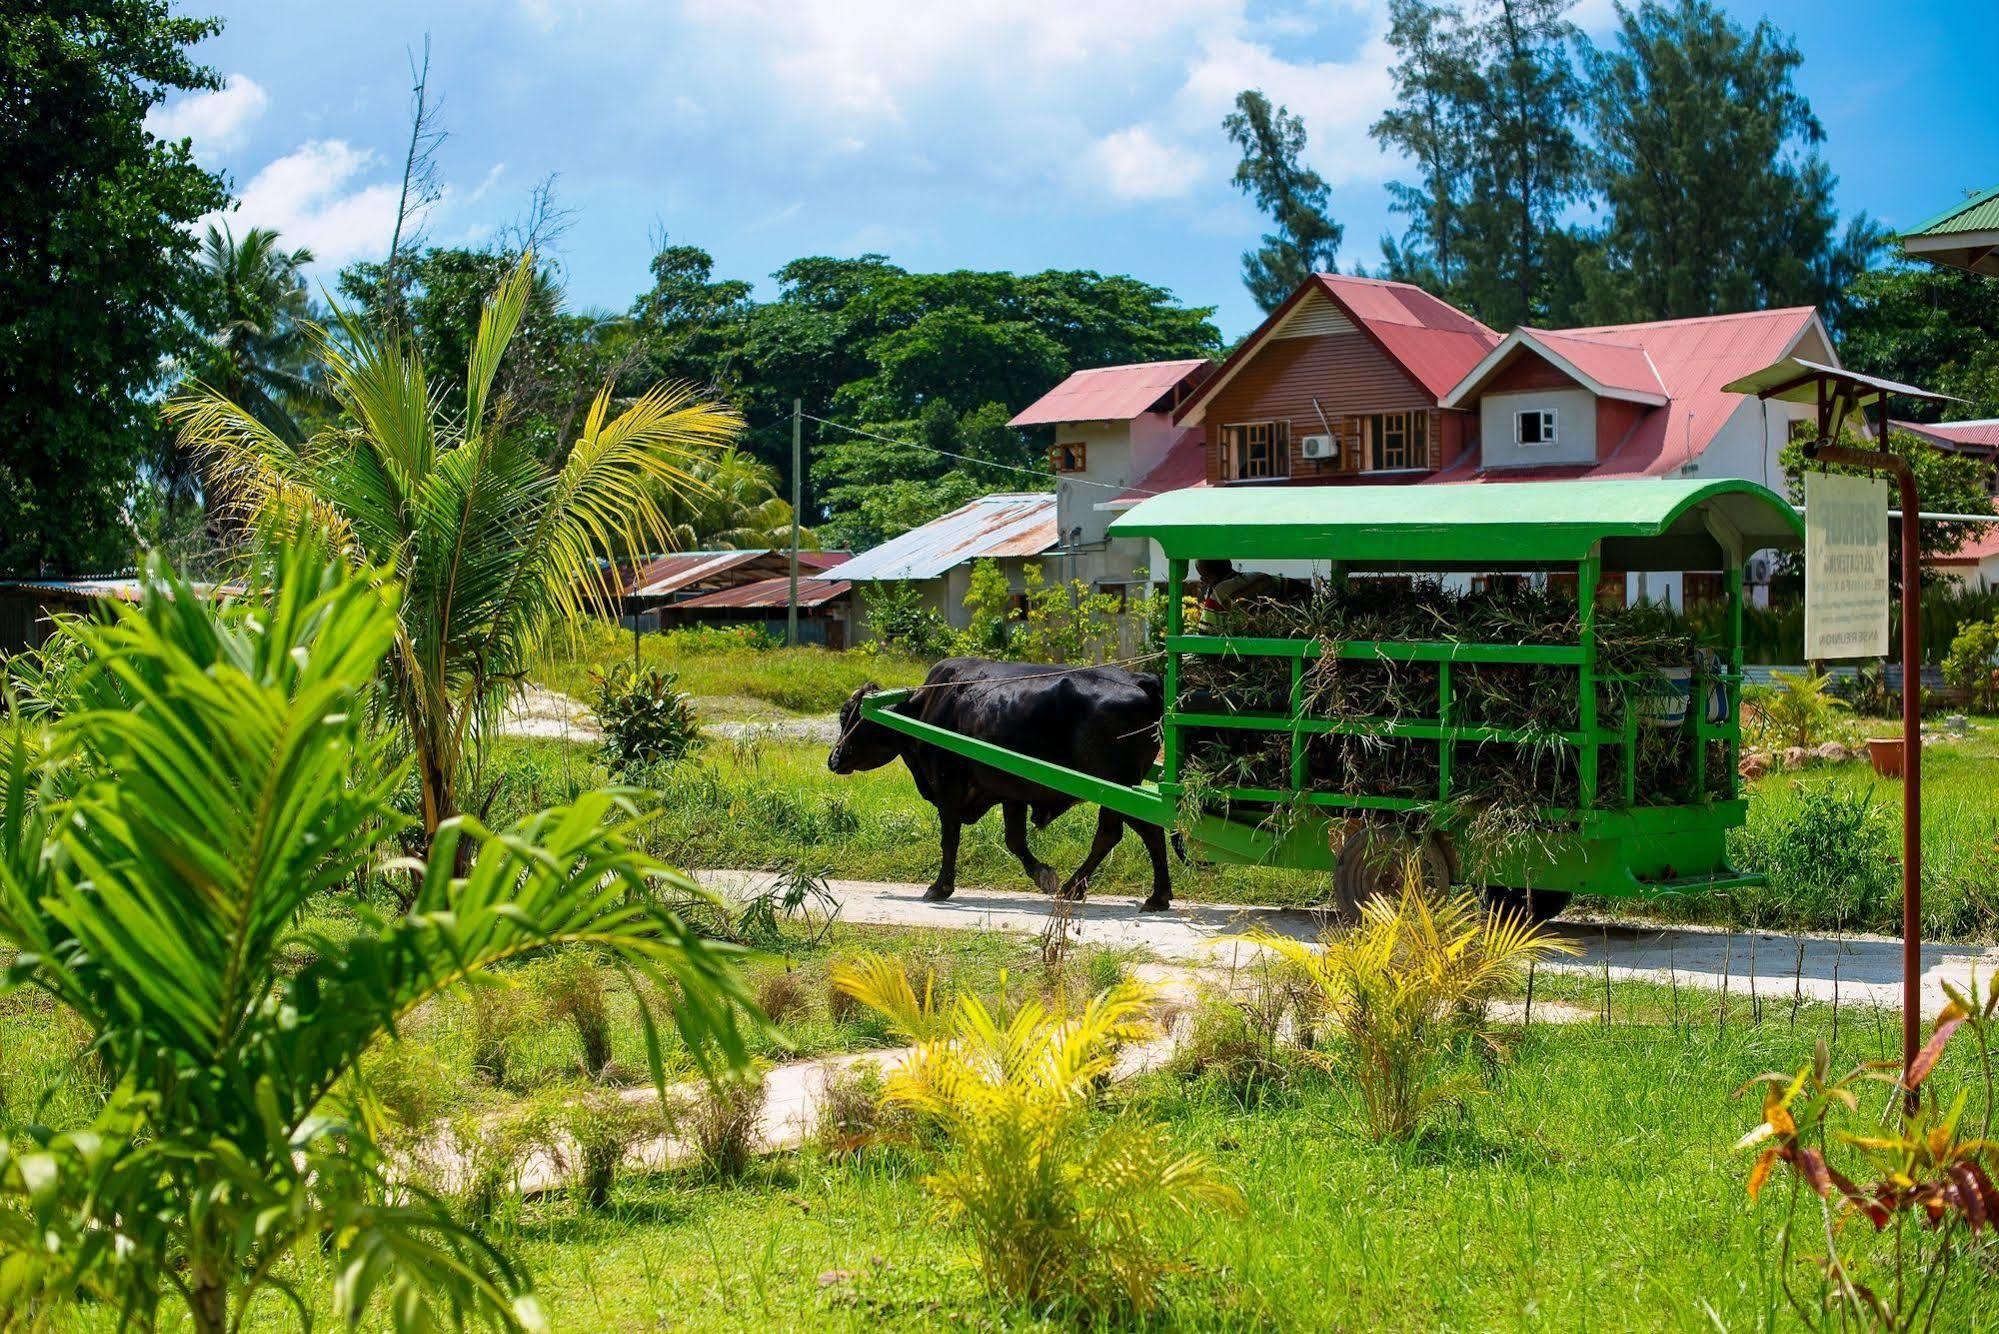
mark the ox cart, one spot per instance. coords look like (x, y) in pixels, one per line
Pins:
(1636, 775)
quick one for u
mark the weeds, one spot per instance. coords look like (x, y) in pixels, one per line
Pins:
(572, 988)
(723, 1120)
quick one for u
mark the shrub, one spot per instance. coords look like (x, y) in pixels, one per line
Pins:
(490, 1151)
(1797, 710)
(604, 1127)
(898, 621)
(855, 1114)
(1226, 1042)
(1969, 666)
(781, 995)
(1060, 1204)
(572, 988)
(647, 721)
(723, 1120)
(1405, 988)
(688, 639)
(1829, 852)
(501, 1015)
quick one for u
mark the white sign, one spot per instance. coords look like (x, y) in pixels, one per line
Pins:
(1846, 567)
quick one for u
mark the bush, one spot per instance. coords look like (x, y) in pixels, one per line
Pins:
(781, 995)
(1797, 710)
(501, 1015)
(1829, 852)
(572, 987)
(898, 621)
(717, 639)
(1969, 666)
(723, 1120)
(1060, 1204)
(1407, 987)
(1234, 1046)
(646, 720)
(603, 1128)
(855, 1114)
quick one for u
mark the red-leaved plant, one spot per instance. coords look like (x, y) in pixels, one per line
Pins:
(1924, 1172)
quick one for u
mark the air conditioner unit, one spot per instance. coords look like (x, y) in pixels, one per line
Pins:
(1319, 447)
(1759, 570)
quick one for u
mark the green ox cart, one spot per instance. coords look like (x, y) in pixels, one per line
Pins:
(1609, 836)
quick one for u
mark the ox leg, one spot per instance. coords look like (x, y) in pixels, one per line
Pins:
(1037, 870)
(1110, 828)
(1154, 839)
(949, 825)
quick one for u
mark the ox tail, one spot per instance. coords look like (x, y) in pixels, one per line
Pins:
(1179, 847)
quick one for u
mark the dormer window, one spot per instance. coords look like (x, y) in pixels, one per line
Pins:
(1535, 427)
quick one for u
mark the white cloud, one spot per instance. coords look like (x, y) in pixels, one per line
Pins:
(318, 196)
(218, 120)
(1133, 164)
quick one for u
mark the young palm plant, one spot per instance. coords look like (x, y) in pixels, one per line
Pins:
(157, 846)
(1405, 985)
(1061, 1203)
(495, 552)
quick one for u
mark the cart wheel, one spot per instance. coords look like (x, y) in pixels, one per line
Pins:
(1540, 905)
(1371, 863)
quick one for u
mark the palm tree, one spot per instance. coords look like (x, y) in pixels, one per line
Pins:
(735, 506)
(495, 551)
(257, 322)
(216, 772)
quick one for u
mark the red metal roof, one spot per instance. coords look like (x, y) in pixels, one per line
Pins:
(769, 593)
(1111, 393)
(1694, 358)
(1960, 435)
(1432, 340)
(664, 576)
(1612, 363)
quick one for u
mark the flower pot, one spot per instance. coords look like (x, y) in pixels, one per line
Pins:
(1885, 754)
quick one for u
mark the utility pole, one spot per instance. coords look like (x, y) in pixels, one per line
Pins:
(797, 464)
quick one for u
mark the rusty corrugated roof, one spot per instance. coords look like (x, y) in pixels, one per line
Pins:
(990, 527)
(1110, 393)
(693, 571)
(769, 593)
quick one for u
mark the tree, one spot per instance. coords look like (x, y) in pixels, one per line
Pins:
(1526, 167)
(1436, 79)
(1946, 483)
(1706, 154)
(1932, 327)
(254, 310)
(494, 549)
(731, 503)
(95, 241)
(216, 775)
(1290, 194)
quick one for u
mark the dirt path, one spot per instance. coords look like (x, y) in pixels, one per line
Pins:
(1850, 969)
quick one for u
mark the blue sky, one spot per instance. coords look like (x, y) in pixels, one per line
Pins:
(945, 133)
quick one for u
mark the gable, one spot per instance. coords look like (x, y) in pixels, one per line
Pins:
(1316, 314)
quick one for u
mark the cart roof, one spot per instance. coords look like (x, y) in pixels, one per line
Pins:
(1645, 523)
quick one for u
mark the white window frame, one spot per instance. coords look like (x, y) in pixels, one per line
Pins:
(1550, 427)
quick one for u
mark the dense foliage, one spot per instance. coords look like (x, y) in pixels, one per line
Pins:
(95, 252)
(1686, 133)
(217, 774)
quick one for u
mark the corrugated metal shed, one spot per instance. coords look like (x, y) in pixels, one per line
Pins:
(691, 572)
(1978, 435)
(1112, 393)
(768, 593)
(1979, 213)
(1965, 235)
(991, 527)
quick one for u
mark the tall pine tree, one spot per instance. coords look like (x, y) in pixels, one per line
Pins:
(1437, 85)
(1708, 164)
(1291, 194)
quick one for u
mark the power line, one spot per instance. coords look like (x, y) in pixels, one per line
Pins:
(983, 463)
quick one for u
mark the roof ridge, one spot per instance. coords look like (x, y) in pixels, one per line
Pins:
(1586, 329)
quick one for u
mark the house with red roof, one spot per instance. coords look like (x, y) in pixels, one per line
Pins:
(1364, 381)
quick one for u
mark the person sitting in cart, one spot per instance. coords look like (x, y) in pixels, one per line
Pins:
(1222, 586)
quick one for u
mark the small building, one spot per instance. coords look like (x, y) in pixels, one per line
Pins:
(661, 581)
(1012, 530)
(1974, 565)
(1113, 430)
(1975, 439)
(824, 608)
(1963, 236)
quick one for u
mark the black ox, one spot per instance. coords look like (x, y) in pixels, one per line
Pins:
(1102, 721)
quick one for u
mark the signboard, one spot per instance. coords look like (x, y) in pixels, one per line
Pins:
(1846, 567)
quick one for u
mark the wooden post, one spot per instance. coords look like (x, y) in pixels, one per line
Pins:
(797, 454)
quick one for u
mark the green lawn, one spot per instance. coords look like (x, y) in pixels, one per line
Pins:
(728, 682)
(1594, 1186)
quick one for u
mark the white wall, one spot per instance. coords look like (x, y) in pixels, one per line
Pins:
(1108, 464)
(1575, 411)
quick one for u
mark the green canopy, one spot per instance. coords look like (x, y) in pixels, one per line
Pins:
(1643, 524)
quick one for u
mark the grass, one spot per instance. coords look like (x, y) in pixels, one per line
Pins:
(729, 683)
(1593, 1187)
